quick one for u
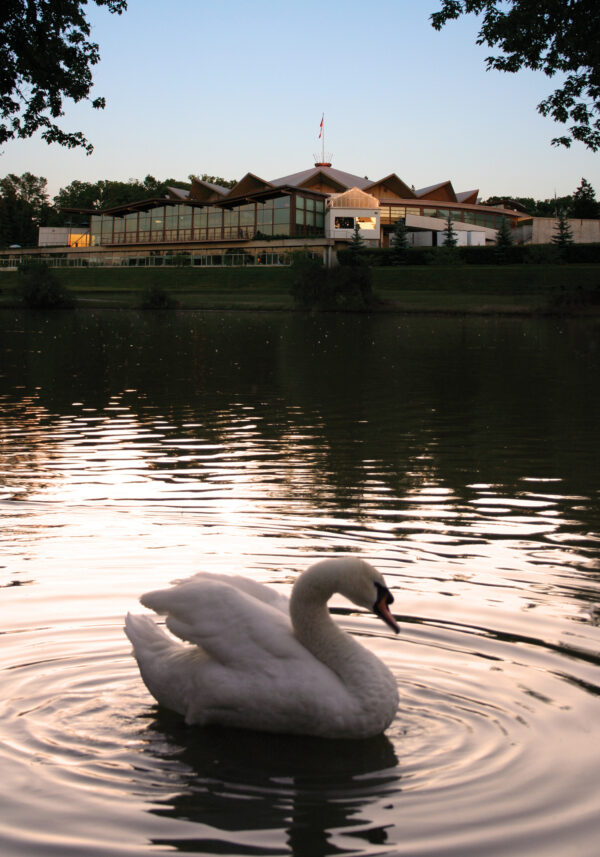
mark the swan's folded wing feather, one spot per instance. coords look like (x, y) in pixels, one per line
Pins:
(230, 625)
(257, 590)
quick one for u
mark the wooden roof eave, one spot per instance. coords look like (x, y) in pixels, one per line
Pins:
(146, 205)
(438, 203)
(389, 182)
(264, 195)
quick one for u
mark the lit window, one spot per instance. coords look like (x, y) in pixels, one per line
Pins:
(367, 222)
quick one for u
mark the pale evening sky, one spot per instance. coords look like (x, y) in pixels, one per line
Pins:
(229, 87)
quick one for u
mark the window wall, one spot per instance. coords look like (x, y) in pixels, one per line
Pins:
(285, 215)
(389, 214)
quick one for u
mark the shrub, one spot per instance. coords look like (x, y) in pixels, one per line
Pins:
(155, 297)
(346, 287)
(39, 287)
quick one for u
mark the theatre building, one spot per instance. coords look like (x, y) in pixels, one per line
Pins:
(263, 222)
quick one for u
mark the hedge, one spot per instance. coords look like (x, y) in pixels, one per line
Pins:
(522, 254)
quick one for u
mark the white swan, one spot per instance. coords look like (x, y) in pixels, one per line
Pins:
(262, 662)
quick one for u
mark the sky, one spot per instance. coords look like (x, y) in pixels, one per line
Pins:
(235, 86)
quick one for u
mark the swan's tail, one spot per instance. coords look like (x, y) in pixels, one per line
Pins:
(147, 639)
(158, 658)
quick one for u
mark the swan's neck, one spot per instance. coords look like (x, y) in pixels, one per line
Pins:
(319, 634)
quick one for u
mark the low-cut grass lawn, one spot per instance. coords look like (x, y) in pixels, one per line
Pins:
(444, 289)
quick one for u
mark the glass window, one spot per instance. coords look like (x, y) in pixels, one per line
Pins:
(344, 223)
(247, 215)
(214, 218)
(300, 216)
(299, 202)
(412, 211)
(282, 228)
(96, 228)
(131, 222)
(144, 220)
(282, 215)
(319, 219)
(118, 225)
(263, 215)
(320, 204)
(367, 222)
(107, 225)
(310, 218)
(310, 204)
(282, 202)
(443, 213)
(200, 218)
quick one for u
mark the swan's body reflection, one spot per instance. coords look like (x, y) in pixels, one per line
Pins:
(241, 784)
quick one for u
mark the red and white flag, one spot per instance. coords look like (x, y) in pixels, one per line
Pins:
(321, 126)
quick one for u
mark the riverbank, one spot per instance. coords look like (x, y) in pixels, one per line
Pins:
(510, 289)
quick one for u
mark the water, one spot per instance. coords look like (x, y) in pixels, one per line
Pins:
(460, 456)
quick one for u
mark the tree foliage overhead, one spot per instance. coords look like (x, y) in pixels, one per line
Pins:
(46, 56)
(554, 36)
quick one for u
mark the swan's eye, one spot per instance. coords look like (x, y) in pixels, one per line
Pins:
(383, 592)
(384, 598)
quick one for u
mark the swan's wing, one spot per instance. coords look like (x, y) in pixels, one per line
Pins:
(251, 587)
(227, 622)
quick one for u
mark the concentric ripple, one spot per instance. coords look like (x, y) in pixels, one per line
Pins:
(476, 746)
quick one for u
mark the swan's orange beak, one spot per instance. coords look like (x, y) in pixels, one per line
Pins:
(381, 608)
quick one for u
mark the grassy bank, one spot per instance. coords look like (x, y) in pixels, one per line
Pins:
(461, 288)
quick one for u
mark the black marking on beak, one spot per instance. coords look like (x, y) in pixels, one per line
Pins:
(381, 608)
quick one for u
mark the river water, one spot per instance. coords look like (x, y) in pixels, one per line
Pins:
(459, 456)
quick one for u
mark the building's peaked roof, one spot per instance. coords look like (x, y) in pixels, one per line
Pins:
(338, 178)
(442, 192)
(249, 184)
(177, 193)
(354, 197)
(468, 196)
(395, 184)
(206, 191)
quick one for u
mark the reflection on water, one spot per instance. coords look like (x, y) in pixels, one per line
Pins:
(248, 783)
(460, 456)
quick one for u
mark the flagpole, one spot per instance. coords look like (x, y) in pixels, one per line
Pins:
(322, 162)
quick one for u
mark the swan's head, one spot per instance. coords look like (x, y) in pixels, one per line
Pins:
(361, 583)
(368, 589)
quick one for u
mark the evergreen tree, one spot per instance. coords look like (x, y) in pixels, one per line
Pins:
(584, 201)
(504, 237)
(357, 245)
(450, 236)
(563, 235)
(399, 242)
(357, 242)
